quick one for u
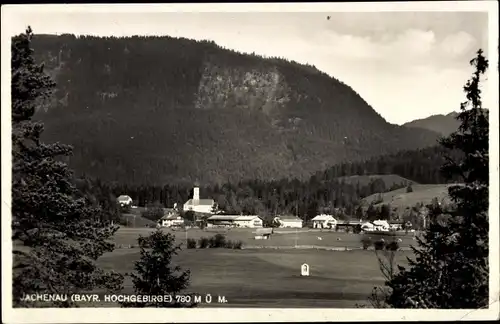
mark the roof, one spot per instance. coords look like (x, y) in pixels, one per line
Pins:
(323, 217)
(202, 202)
(233, 217)
(169, 213)
(223, 217)
(289, 218)
(124, 198)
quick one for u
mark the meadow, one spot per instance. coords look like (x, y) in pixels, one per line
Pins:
(267, 277)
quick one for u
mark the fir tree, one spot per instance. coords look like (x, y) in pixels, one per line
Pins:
(57, 235)
(154, 273)
(451, 265)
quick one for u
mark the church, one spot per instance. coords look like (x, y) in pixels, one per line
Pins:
(198, 205)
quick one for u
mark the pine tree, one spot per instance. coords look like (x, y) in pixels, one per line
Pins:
(154, 274)
(451, 265)
(57, 236)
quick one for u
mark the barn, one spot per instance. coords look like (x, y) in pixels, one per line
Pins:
(250, 221)
(289, 221)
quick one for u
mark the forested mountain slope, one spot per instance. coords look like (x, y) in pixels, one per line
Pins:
(162, 110)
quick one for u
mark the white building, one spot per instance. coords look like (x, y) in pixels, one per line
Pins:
(377, 225)
(289, 221)
(124, 200)
(199, 205)
(250, 221)
(324, 221)
(171, 218)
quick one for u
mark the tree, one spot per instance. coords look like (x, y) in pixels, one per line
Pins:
(450, 269)
(155, 274)
(57, 234)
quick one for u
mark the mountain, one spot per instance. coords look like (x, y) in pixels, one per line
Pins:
(442, 124)
(166, 110)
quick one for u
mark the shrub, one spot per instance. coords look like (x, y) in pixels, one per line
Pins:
(367, 242)
(237, 245)
(229, 244)
(203, 243)
(379, 245)
(217, 241)
(191, 243)
(392, 246)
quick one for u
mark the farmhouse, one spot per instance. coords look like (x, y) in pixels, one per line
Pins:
(198, 205)
(376, 225)
(324, 221)
(235, 221)
(170, 218)
(124, 200)
(289, 221)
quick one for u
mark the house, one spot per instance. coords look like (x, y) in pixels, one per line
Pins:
(324, 221)
(289, 221)
(170, 218)
(251, 221)
(124, 200)
(198, 205)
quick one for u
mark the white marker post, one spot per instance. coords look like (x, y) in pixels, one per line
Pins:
(304, 270)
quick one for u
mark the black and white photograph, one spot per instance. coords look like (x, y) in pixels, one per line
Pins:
(250, 162)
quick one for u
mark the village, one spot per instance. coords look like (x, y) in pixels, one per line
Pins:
(207, 215)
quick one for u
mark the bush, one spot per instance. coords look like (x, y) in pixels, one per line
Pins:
(217, 241)
(229, 244)
(191, 243)
(203, 243)
(393, 246)
(379, 245)
(367, 242)
(237, 245)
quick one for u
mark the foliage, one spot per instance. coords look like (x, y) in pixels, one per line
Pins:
(367, 242)
(203, 243)
(409, 188)
(379, 244)
(153, 211)
(62, 232)
(169, 108)
(217, 241)
(154, 272)
(191, 243)
(392, 246)
(450, 269)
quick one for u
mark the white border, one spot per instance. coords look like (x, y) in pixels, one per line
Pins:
(105, 315)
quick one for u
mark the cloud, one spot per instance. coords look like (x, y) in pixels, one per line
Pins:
(458, 44)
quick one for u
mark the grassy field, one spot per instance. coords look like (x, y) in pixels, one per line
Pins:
(257, 277)
(271, 278)
(400, 199)
(281, 237)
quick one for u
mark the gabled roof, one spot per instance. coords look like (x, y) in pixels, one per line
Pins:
(323, 217)
(223, 217)
(233, 217)
(124, 198)
(289, 218)
(200, 202)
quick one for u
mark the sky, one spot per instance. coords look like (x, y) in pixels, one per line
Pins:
(406, 65)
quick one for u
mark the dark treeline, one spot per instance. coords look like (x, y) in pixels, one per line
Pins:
(157, 110)
(333, 191)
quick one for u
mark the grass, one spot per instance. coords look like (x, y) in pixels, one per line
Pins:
(400, 199)
(255, 277)
(281, 238)
(270, 278)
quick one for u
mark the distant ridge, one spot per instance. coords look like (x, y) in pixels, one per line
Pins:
(442, 124)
